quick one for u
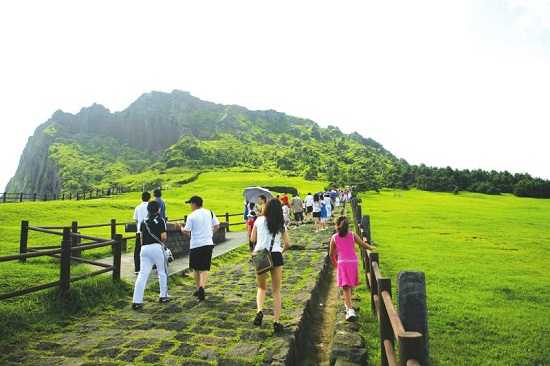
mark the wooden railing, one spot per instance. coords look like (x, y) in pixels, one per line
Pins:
(34, 197)
(411, 344)
(68, 251)
(71, 248)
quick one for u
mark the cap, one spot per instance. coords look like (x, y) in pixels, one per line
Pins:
(196, 200)
(157, 192)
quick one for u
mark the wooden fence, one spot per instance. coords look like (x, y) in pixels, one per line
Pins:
(68, 251)
(71, 248)
(411, 346)
(35, 197)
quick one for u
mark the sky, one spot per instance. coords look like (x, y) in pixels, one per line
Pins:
(464, 84)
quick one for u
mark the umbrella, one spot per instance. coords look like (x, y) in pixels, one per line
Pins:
(253, 193)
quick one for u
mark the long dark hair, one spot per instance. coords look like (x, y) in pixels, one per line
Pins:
(342, 224)
(274, 216)
(152, 207)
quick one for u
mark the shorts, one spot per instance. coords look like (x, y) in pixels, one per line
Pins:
(200, 258)
(309, 209)
(299, 216)
(317, 214)
(277, 259)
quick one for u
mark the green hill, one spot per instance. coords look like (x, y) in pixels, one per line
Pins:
(181, 134)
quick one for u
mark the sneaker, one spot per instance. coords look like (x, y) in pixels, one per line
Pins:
(259, 318)
(350, 315)
(277, 327)
(165, 299)
(196, 293)
(136, 306)
(201, 293)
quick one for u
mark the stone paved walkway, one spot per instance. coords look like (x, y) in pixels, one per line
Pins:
(185, 331)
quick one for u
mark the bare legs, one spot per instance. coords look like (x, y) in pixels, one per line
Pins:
(276, 275)
(347, 297)
(200, 278)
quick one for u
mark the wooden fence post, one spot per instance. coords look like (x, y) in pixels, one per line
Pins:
(23, 240)
(410, 347)
(374, 284)
(113, 228)
(75, 240)
(386, 329)
(65, 271)
(117, 255)
(227, 220)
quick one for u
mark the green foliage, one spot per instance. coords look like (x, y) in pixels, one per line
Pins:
(88, 161)
(484, 258)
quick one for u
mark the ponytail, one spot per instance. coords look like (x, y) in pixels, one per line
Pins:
(342, 225)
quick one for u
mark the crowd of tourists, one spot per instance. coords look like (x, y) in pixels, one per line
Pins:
(268, 222)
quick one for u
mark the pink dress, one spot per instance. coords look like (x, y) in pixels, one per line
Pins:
(348, 264)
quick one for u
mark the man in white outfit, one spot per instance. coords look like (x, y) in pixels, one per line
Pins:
(140, 214)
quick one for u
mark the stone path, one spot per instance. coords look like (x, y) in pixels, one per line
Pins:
(185, 331)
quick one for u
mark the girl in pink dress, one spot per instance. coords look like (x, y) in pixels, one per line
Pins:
(342, 244)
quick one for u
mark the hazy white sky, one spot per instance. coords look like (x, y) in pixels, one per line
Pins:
(464, 84)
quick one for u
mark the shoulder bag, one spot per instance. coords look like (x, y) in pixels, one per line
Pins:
(167, 252)
(262, 259)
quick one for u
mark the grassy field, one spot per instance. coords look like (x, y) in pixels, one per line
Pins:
(486, 267)
(484, 258)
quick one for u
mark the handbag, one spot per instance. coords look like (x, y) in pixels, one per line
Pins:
(262, 259)
(167, 252)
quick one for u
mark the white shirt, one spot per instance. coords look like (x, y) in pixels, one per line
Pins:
(140, 214)
(200, 223)
(309, 200)
(263, 236)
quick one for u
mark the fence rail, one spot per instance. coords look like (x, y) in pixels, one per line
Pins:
(68, 251)
(71, 248)
(35, 197)
(410, 344)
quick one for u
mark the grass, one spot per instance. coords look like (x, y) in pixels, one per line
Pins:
(484, 258)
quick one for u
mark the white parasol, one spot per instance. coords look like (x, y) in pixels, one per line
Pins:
(253, 193)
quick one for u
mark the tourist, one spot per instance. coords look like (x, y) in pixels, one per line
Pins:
(342, 245)
(201, 225)
(140, 214)
(269, 232)
(153, 235)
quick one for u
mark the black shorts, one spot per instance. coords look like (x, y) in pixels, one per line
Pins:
(317, 214)
(277, 259)
(200, 258)
(298, 216)
(309, 209)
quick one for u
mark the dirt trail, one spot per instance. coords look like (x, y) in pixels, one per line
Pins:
(320, 332)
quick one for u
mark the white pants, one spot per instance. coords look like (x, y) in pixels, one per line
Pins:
(151, 254)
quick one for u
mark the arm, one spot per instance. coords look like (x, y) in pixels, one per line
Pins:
(332, 252)
(362, 243)
(163, 236)
(286, 241)
(215, 229)
(254, 234)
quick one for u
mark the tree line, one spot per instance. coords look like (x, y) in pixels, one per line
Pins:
(422, 177)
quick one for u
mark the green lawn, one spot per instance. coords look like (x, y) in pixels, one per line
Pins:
(486, 267)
